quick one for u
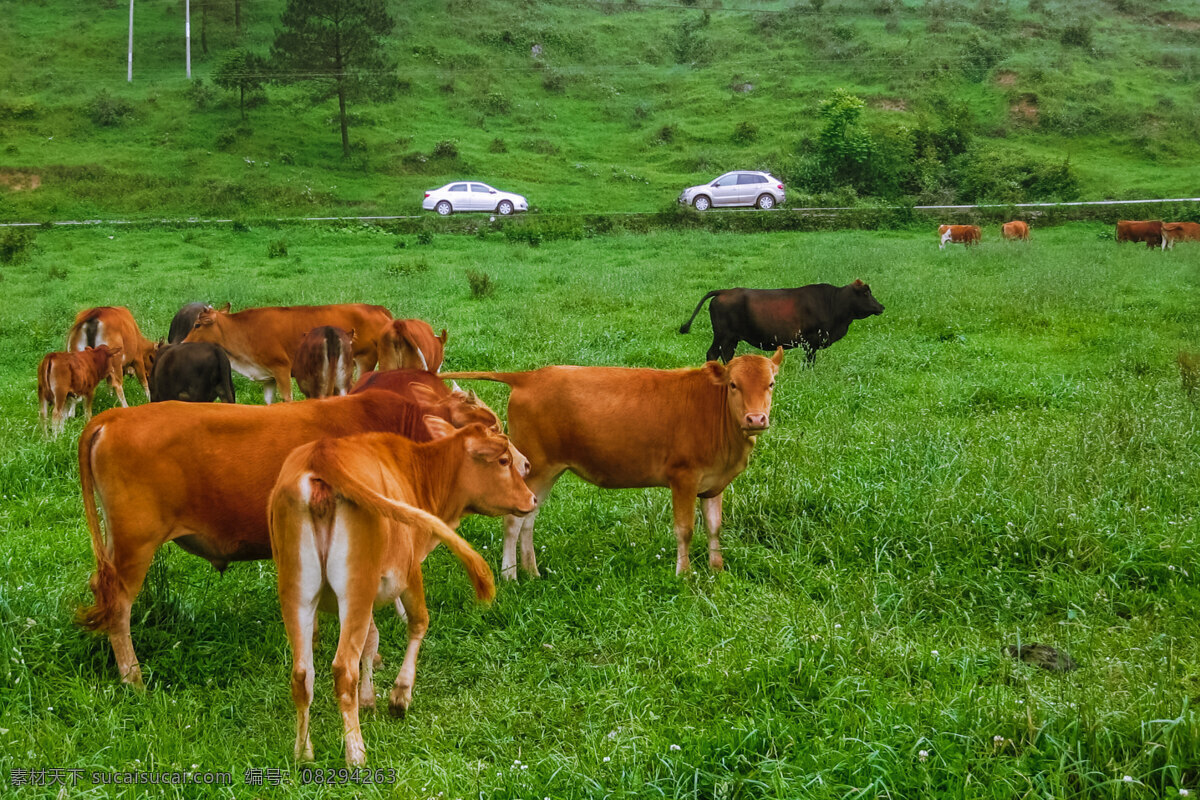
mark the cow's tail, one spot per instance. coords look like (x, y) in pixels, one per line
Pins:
(328, 466)
(687, 326)
(510, 378)
(105, 583)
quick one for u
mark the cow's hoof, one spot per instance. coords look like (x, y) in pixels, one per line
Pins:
(377, 661)
(508, 574)
(398, 703)
(716, 564)
(133, 679)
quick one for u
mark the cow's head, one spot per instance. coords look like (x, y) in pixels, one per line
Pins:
(491, 479)
(749, 382)
(207, 327)
(113, 362)
(862, 303)
(459, 408)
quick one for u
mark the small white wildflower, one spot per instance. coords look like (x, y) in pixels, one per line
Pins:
(676, 747)
(1128, 779)
(923, 755)
(607, 759)
(935, 652)
(997, 739)
(1183, 792)
(517, 763)
(524, 766)
(837, 626)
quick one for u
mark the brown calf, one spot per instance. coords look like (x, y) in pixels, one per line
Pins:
(115, 327)
(200, 475)
(965, 235)
(411, 344)
(1015, 230)
(1173, 232)
(262, 341)
(351, 521)
(324, 362)
(1148, 231)
(69, 376)
(691, 430)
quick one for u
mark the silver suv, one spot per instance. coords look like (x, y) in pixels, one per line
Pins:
(760, 189)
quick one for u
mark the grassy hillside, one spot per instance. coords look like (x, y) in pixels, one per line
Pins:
(1006, 457)
(627, 103)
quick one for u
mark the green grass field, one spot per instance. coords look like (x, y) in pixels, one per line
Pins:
(629, 102)
(1006, 455)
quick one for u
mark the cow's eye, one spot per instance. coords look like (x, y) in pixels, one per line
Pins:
(772, 386)
(733, 386)
(505, 461)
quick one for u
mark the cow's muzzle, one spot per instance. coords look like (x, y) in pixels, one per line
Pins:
(755, 422)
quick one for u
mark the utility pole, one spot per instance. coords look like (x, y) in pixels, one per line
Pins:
(129, 77)
(187, 34)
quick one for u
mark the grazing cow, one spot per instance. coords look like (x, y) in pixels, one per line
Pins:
(1173, 232)
(411, 344)
(184, 321)
(1148, 231)
(261, 341)
(351, 521)
(324, 362)
(200, 475)
(1015, 230)
(812, 317)
(115, 327)
(688, 429)
(966, 235)
(194, 372)
(69, 376)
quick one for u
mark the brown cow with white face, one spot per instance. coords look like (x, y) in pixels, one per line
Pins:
(115, 327)
(966, 235)
(351, 521)
(411, 344)
(200, 475)
(261, 342)
(64, 377)
(691, 430)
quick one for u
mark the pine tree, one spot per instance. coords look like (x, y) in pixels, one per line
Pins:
(239, 70)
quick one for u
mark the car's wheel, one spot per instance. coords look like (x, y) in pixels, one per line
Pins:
(765, 202)
(443, 208)
(701, 203)
(505, 208)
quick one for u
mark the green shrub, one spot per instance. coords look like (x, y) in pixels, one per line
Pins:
(497, 146)
(277, 248)
(403, 269)
(16, 245)
(425, 237)
(481, 284)
(445, 149)
(745, 132)
(106, 110)
(1077, 34)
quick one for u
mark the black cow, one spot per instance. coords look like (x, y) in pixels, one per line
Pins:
(184, 321)
(197, 372)
(812, 317)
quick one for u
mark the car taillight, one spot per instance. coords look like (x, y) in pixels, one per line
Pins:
(780, 187)
(427, 193)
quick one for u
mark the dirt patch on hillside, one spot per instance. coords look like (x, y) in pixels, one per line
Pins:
(1006, 77)
(1024, 109)
(1173, 19)
(20, 181)
(890, 104)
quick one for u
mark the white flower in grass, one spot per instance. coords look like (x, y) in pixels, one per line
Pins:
(676, 747)
(1128, 779)
(607, 759)
(923, 756)
(1184, 793)
(934, 653)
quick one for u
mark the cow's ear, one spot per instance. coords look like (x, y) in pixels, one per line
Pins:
(444, 337)
(438, 427)
(717, 372)
(777, 359)
(353, 335)
(115, 351)
(225, 308)
(859, 286)
(425, 395)
(485, 446)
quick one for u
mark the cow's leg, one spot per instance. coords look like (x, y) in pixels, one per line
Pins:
(714, 350)
(139, 370)
(131, 566)
(520, 529)
(355, 607)
(60, 414)
(118, 386)
(683, 502)
(298, 601)
(413, 598)
(87, 404)
(711, 508)
(44, 413)
(366, 680)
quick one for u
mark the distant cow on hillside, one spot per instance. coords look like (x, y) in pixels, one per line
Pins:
(812, 317)
(1173, 232)
(966, 235)
(1015, 230)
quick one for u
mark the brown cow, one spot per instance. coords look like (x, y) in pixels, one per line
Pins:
(261, 341)
(1148, 231)
(1173, 232)
(411, 344)
(426, 388)
(324, 362)
(689, 429)
(965, 235)
(1015, 230)
(115, 327)
(200, 475)
(351, 521)
(70, 376)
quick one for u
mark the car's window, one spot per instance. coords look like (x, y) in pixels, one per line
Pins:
(745, 178)
(458, 187)
(479, 187)
(729, 179)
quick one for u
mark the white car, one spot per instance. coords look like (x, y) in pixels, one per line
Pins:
(759, 189)
(472, 196)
